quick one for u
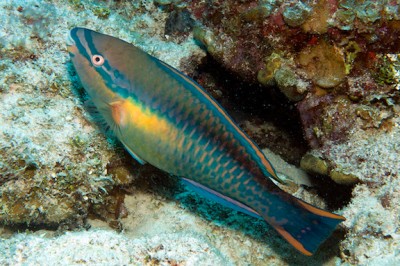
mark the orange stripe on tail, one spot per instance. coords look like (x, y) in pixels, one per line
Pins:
(292, 240)
(320, 212)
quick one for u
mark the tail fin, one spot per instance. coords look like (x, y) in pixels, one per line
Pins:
(307, 226)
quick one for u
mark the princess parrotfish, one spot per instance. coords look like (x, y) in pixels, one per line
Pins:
(166, 119)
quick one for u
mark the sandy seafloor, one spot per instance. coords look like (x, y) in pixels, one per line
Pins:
(159, 230)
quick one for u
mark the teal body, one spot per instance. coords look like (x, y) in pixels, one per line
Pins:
(166, 119)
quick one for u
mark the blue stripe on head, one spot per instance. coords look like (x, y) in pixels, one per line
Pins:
(78, 42)
(91, 48)
(106, 70)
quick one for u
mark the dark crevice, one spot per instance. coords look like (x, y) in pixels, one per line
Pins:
(336, 196)
(258, 106)
(255, 107)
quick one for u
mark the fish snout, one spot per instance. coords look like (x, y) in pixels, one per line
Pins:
(70, 42)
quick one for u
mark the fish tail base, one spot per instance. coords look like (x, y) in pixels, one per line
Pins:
(306, 226)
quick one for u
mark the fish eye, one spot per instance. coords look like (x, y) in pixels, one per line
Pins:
(97, 60)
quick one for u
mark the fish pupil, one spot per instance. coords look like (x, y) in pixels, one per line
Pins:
(97, 60)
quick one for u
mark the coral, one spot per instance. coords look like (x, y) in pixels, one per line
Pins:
(373, 235)
(208, 39)
(326, 118)
(338, 61)
(318, 20)
(266, 75)
(37, 16)
(323, 64)
(178, 22)
(290, 84)
(296, 14)
(314, 164)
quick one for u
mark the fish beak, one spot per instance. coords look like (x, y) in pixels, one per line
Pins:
(70, 42)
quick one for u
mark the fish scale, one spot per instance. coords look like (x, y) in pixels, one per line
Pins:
(166, 119)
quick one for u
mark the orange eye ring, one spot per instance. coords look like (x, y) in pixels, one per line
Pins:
(97, 60)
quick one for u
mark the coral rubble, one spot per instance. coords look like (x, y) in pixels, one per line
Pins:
(102, 247)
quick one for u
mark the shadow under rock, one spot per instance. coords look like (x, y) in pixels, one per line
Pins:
(336, 196)
(257, 105)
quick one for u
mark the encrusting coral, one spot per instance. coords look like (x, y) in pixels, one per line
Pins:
(333, 65)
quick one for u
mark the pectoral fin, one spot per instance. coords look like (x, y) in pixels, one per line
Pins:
(134, 155)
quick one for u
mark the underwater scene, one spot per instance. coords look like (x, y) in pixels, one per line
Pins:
(200, 132)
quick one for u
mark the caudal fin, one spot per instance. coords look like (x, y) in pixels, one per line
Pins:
(307, 226)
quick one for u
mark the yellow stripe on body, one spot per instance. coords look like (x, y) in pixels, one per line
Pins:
(127, 111)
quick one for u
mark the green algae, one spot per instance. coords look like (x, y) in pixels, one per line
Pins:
(77, 4)
(355, 225)
(50, 148)
(102, 12)
(351, 51)
(314, 164)
(266, 75)
(386, 72)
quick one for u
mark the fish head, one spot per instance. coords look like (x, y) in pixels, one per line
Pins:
(100, 62)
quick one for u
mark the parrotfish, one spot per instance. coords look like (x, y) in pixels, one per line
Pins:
(163, 117)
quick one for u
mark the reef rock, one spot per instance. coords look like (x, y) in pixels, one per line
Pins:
(102, 247)
(336, 59)
(339, 63)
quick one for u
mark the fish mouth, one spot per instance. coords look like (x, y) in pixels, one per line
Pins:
(71, 47)
(70, 40)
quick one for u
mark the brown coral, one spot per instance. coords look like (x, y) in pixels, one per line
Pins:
(323, 64)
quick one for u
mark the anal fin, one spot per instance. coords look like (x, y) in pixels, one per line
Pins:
(221, 199)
